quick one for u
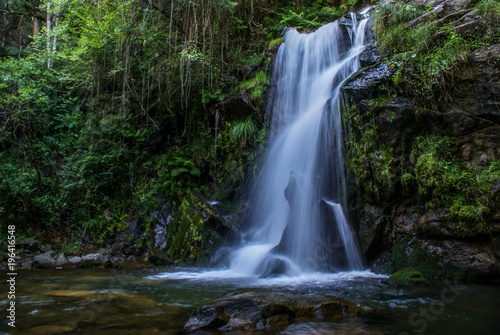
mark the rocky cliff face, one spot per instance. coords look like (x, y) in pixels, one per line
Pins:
(427, 180)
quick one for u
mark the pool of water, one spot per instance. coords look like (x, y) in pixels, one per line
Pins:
(160, 300)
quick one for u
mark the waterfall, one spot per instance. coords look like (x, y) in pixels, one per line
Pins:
(297, 220)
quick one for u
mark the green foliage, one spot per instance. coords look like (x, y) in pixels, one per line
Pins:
(276, 42)
(243, 132)
(407, 179)
(256, 86)
(489, 9)
(309, 15)
(299, 21)
(425, 50)
(443, 181)
(416, 257)
(109, 109)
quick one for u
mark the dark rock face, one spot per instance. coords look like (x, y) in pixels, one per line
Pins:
(397, 221)
(237, 107)
(268, 310)
(164, 218)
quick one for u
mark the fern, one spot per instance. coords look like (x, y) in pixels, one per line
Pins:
(243, 132)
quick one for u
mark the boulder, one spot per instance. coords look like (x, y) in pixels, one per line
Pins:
(158, 257)
(268, 310)
(75, 260)
(118, 261)
(27, 264)
(44, 261)
(94, 260)
(61, 260)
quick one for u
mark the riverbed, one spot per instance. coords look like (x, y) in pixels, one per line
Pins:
(160, 301)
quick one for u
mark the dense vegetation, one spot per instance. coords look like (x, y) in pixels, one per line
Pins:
(108, 107)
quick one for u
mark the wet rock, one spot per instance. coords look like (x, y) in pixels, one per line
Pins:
(435, 224)
(365, 82)
(126, 240)
(133, 262)
(372, 232)
(407, 276)
(94, 260)
(44, 261)
(164, 218)
(346, 20)
(383, 265)
(268, 310)
(453, 258)
(369, 56)
(275, 267)
(158, 257)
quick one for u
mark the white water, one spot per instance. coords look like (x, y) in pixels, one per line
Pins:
(292, 227)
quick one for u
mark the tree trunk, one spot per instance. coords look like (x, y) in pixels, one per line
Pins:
(49, 27)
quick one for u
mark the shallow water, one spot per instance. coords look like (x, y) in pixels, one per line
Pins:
(160, 300)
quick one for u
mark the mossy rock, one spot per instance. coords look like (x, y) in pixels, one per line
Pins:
(407, 276)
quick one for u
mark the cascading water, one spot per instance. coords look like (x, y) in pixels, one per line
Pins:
(297, 220)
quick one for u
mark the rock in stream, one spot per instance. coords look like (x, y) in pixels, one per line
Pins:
(270, 310)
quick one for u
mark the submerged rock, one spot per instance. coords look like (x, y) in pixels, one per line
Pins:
(268, 310)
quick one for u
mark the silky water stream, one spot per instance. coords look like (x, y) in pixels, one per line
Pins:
(298, 238)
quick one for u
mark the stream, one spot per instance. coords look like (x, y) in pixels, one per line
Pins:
(160, 300)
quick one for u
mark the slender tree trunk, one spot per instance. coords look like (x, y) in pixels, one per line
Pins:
(35, 26)
(49, 28)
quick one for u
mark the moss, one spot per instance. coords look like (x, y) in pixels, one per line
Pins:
(443, 181)
(368, 158)
(407, 276)
(420, 260)
(184, 235)
(407, 180)
(430, 267)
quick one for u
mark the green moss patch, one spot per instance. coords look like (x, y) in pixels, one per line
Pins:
(407, 276)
